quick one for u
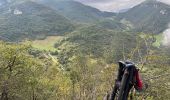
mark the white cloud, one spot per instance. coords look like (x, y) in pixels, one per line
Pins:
(118, 5)
(165, 1)
(114, 5)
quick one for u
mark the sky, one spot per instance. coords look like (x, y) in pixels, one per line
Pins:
(114, 5)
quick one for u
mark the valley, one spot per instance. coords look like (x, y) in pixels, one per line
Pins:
(47, 44)
(65, 50)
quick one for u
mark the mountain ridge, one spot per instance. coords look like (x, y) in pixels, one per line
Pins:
(76, 11)
(31, 20)
(149, 16)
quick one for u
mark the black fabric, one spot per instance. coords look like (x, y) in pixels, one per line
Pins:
(130, 81)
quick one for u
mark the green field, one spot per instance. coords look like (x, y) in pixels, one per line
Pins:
(47, 44)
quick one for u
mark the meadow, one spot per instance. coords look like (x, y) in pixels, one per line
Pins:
(47, 44)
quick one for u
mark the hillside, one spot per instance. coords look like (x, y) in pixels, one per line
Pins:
(76, 11)
(64, 50)
(150, 16)
(112, 25)
(28, 19)
(99, 42)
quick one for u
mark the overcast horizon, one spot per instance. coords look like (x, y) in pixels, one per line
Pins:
(114, 5)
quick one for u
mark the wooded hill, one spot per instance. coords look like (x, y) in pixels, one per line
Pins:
(38, 19)
(82, 63)
(150, 16)
(30, 20)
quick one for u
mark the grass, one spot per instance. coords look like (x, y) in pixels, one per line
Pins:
(46, 44)
(159, 39)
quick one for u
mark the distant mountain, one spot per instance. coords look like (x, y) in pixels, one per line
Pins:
(150, 16)
(76, 11)
(123, 10)
(28, 19)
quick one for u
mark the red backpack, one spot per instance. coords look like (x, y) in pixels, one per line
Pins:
(139, 83)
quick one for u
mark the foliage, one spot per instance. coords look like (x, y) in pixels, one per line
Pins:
(101, 42)
(148, 17)
(81, 65)
(35, 22)
(19, 72)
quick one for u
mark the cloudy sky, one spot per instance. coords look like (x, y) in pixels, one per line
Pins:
(114, 5)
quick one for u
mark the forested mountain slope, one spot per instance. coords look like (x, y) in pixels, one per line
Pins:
(76, 11)
(101, 41)
(80, 63)
(150, 16)
(28, 19)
